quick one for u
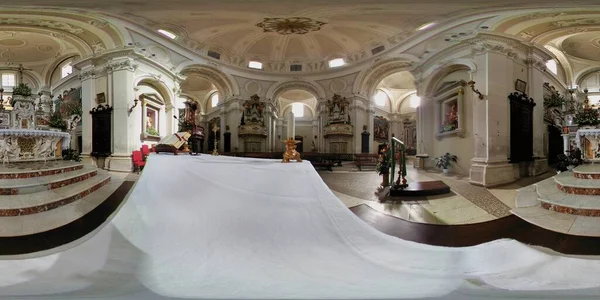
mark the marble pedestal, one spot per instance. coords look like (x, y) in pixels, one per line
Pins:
(119, 163)
(489, 174)
(23, 145)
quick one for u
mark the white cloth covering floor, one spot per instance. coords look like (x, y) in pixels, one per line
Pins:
(233, 228)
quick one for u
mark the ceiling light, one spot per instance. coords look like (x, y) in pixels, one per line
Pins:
(255, 65)
(425, 26)
(338, 62)
(167, 34)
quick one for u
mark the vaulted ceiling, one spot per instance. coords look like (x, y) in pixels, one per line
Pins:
(307, 32)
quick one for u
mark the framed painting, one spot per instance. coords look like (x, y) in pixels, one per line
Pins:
(381, 128)
(521, 86)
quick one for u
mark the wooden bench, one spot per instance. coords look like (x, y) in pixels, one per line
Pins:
(318, 161)
(365, 159)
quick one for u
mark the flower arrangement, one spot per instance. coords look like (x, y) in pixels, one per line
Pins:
(22, 89)
(57, 121)
(384, 162)
(444, 161)
(566, 162)
(555, 100)
(152, 131)
(587, 117)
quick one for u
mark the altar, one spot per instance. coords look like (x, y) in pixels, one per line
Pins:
(21, 145)
(25, 135)
(588, 140)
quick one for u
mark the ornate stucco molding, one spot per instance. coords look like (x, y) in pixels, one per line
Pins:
(121, 65)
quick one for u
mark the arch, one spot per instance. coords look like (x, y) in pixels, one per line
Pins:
(312, 111)
(563, 63)
(585, 73)
(440, 72)
(367, 80)
(158, 85)
(57, 63)
(277, 89)
(224, 82)
(208, 98)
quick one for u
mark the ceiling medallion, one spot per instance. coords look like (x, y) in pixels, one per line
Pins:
(295, 25)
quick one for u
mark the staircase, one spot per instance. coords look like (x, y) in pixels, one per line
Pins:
(568, 202)
(36, 197)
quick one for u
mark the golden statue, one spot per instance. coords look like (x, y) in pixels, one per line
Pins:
(290, 151)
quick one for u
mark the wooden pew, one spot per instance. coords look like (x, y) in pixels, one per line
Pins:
(365, 159)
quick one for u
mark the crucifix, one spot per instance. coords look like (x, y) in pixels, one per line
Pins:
(215, 129)
(21, 69)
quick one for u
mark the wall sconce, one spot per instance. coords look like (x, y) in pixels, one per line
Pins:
(472, 85)
(135, 101)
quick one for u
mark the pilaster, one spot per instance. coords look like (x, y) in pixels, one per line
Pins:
(88, 96)
(490, 165)
(124, 138)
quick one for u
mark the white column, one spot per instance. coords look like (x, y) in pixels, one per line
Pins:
(88, 96)
(221, 140)
(566, 144)
(126, 137)
(279, 134)
(371, 121)
(291, 125)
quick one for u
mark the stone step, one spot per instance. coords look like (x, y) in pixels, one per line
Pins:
(552, 198)
(27, 204)
(570, 184)
(38, 184)
(527, 197)
(559, 222)
(587, 171)
(37, 169)
(51, 219)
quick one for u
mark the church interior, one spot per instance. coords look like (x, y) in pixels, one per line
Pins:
(308, 149)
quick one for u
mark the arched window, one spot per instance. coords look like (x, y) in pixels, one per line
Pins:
(380, 98)
(214, 99)
(551, 65)
(66, 70)
(298, 110)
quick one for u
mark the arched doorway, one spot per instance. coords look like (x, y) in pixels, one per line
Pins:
(303, 105)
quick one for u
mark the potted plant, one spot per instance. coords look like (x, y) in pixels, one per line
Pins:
(587, 117)
(443, 162)
(568, 162)
(555, 100)
(57, 122)
(384, 163)
(22, 89)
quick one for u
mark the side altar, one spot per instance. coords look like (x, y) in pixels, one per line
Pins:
(24, 134)
(588, 140)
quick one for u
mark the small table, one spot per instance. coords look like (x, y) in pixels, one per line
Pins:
(420, 161)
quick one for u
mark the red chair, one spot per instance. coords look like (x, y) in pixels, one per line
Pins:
(138, 161)
(145, 151)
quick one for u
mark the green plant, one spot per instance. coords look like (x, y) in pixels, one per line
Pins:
(70, 108)
(71, 154)
(57, 121)
(152, 131)
(587, 116)
(444, 161)
(555, 100)
(185, 125)
(384, 162)
(574, 159)
(22, 89)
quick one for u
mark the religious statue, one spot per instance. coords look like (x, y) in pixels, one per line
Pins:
(290, 151)
(452, 116)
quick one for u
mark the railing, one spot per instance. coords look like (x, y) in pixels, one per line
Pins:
(400, 183)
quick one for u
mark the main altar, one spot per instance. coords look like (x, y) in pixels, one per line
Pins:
(24, 132)
(588, 140)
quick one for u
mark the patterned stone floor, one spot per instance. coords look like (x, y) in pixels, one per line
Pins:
(465, 205)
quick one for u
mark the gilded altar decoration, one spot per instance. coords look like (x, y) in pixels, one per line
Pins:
(381, 128)
(290, 151)
(295, 25)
